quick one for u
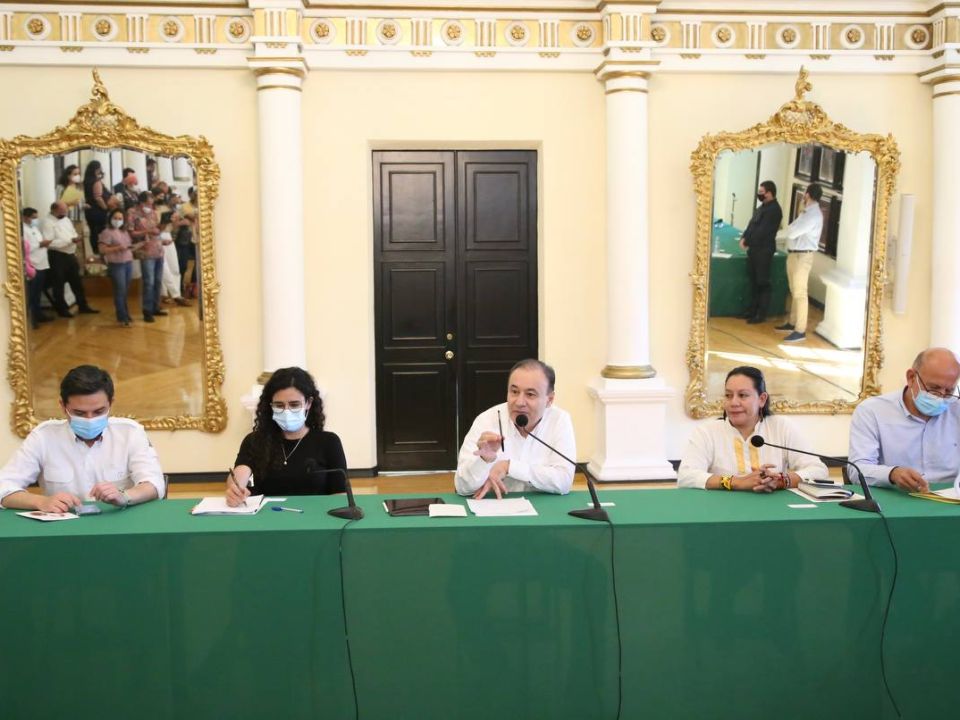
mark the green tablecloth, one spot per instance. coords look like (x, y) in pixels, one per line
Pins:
(732, 606)
(729, 285)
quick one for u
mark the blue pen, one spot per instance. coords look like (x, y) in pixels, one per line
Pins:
(281, 508)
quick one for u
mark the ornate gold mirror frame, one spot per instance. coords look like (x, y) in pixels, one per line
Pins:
(799, 122)
(102, 124)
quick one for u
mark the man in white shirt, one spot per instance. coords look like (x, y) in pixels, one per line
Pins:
(89, 454)
(59, 230)
(36, 247)
(803, 241)
(499, 456)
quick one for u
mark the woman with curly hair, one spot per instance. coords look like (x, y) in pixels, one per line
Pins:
(288, 451)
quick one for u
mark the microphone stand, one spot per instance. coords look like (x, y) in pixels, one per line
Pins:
(593, 513)
(867, 504)
(351, 511)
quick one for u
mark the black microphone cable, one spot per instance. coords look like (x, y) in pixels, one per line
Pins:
(521, 422)
(759, 441)
(346, 630)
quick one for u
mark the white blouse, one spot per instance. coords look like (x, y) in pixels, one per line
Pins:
(718, 448)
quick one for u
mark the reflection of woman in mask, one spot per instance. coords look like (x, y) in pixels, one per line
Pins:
(71, 192)
(115, 246)
(94, 196)
(288, 450)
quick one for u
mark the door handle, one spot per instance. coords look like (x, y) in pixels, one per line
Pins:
(448, 354)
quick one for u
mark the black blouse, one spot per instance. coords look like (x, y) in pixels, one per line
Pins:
(324, 448)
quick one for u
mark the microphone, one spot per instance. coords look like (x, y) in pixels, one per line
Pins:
(867, 504)
(351, 511)
(596, 512)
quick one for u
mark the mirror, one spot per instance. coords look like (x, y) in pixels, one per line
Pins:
(77, 291)
(836, 364)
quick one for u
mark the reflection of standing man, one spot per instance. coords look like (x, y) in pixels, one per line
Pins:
(64, 268)
(803, 240)
(759, 240)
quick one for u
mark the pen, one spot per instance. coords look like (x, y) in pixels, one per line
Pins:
(500, 428)
(234, 478)
(281, 508)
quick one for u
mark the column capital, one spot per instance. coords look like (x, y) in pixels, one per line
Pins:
(621, 75)
(945, 80)
(279, 72)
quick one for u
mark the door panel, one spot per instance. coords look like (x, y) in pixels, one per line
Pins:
(455, 294)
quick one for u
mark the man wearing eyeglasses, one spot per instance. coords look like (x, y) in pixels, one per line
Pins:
(87, 454)
(909, 438)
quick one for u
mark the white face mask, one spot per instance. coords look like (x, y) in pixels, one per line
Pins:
(35, 223)
(117, 223)
(74, 178)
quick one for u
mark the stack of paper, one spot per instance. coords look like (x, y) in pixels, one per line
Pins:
(947, 495)
(218, 506)
(508, 507)
(47, 516)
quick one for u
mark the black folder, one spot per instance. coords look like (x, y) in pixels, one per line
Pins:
(406, 507)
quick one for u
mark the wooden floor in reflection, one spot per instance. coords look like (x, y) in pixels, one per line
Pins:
(156, 367)
(808, 371)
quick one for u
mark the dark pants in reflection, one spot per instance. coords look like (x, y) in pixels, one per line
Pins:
(96, 218)
(120, 275)
(64, 268)
(759, 266)
(34, 293)
(151, 270)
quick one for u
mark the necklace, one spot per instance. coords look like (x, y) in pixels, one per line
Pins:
(284, 450)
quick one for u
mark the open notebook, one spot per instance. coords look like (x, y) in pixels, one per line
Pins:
(218, 506)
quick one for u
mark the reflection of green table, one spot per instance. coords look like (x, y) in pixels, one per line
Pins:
(729, 285)
(151, 613)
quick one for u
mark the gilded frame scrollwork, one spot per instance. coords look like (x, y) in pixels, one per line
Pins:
(798, 121)
(102, 124)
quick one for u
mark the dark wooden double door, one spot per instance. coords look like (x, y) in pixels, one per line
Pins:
(455, 263)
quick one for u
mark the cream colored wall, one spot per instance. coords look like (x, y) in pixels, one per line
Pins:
(685, 107)
(220, 104)
(347, 115)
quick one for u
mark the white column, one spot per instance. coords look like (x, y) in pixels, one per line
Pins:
(944, 288)
(281, 217)
(631, 401)
(844, 310)
(182, 170)
(38, 186)
(165, 169)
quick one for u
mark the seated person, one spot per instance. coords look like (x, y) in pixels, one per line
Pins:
(720, 456)
(497, 455)
(288, 450)
(89, 454)
(908, 438)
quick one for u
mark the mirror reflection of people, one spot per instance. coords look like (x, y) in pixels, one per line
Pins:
(497, 456)
(127, 188)
(117, 249)
(170, 283)
(759, 239)
(64, 268)
(87, 454)
(95, 196)
(35, 245)
(719, 455)
(803, 241)
(288, 450)
(910, 437)
(71, 190)
(143, 226)
(186, 242)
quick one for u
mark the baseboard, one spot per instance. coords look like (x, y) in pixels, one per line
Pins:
(219, 476)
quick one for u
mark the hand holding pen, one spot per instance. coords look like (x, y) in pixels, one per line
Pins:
(237, 494)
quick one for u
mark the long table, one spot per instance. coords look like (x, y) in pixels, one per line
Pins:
(732, 605)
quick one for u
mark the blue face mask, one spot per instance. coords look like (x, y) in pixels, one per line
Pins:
(929, 404)
(290, 420)
(88, 428)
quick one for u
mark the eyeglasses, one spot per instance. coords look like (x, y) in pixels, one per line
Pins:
(295, 405)
(950, 396)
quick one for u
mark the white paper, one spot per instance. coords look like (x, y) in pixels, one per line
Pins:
(507, 507)
(447, 510)
(603, 504)
(47, 516)
(952, 493)
(810, 499)
(801, 505)
(218, 506)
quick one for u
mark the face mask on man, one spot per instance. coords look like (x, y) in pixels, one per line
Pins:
(35, 223)
(290, 420)
(761, 196)
(928, 403)
(88, 428)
